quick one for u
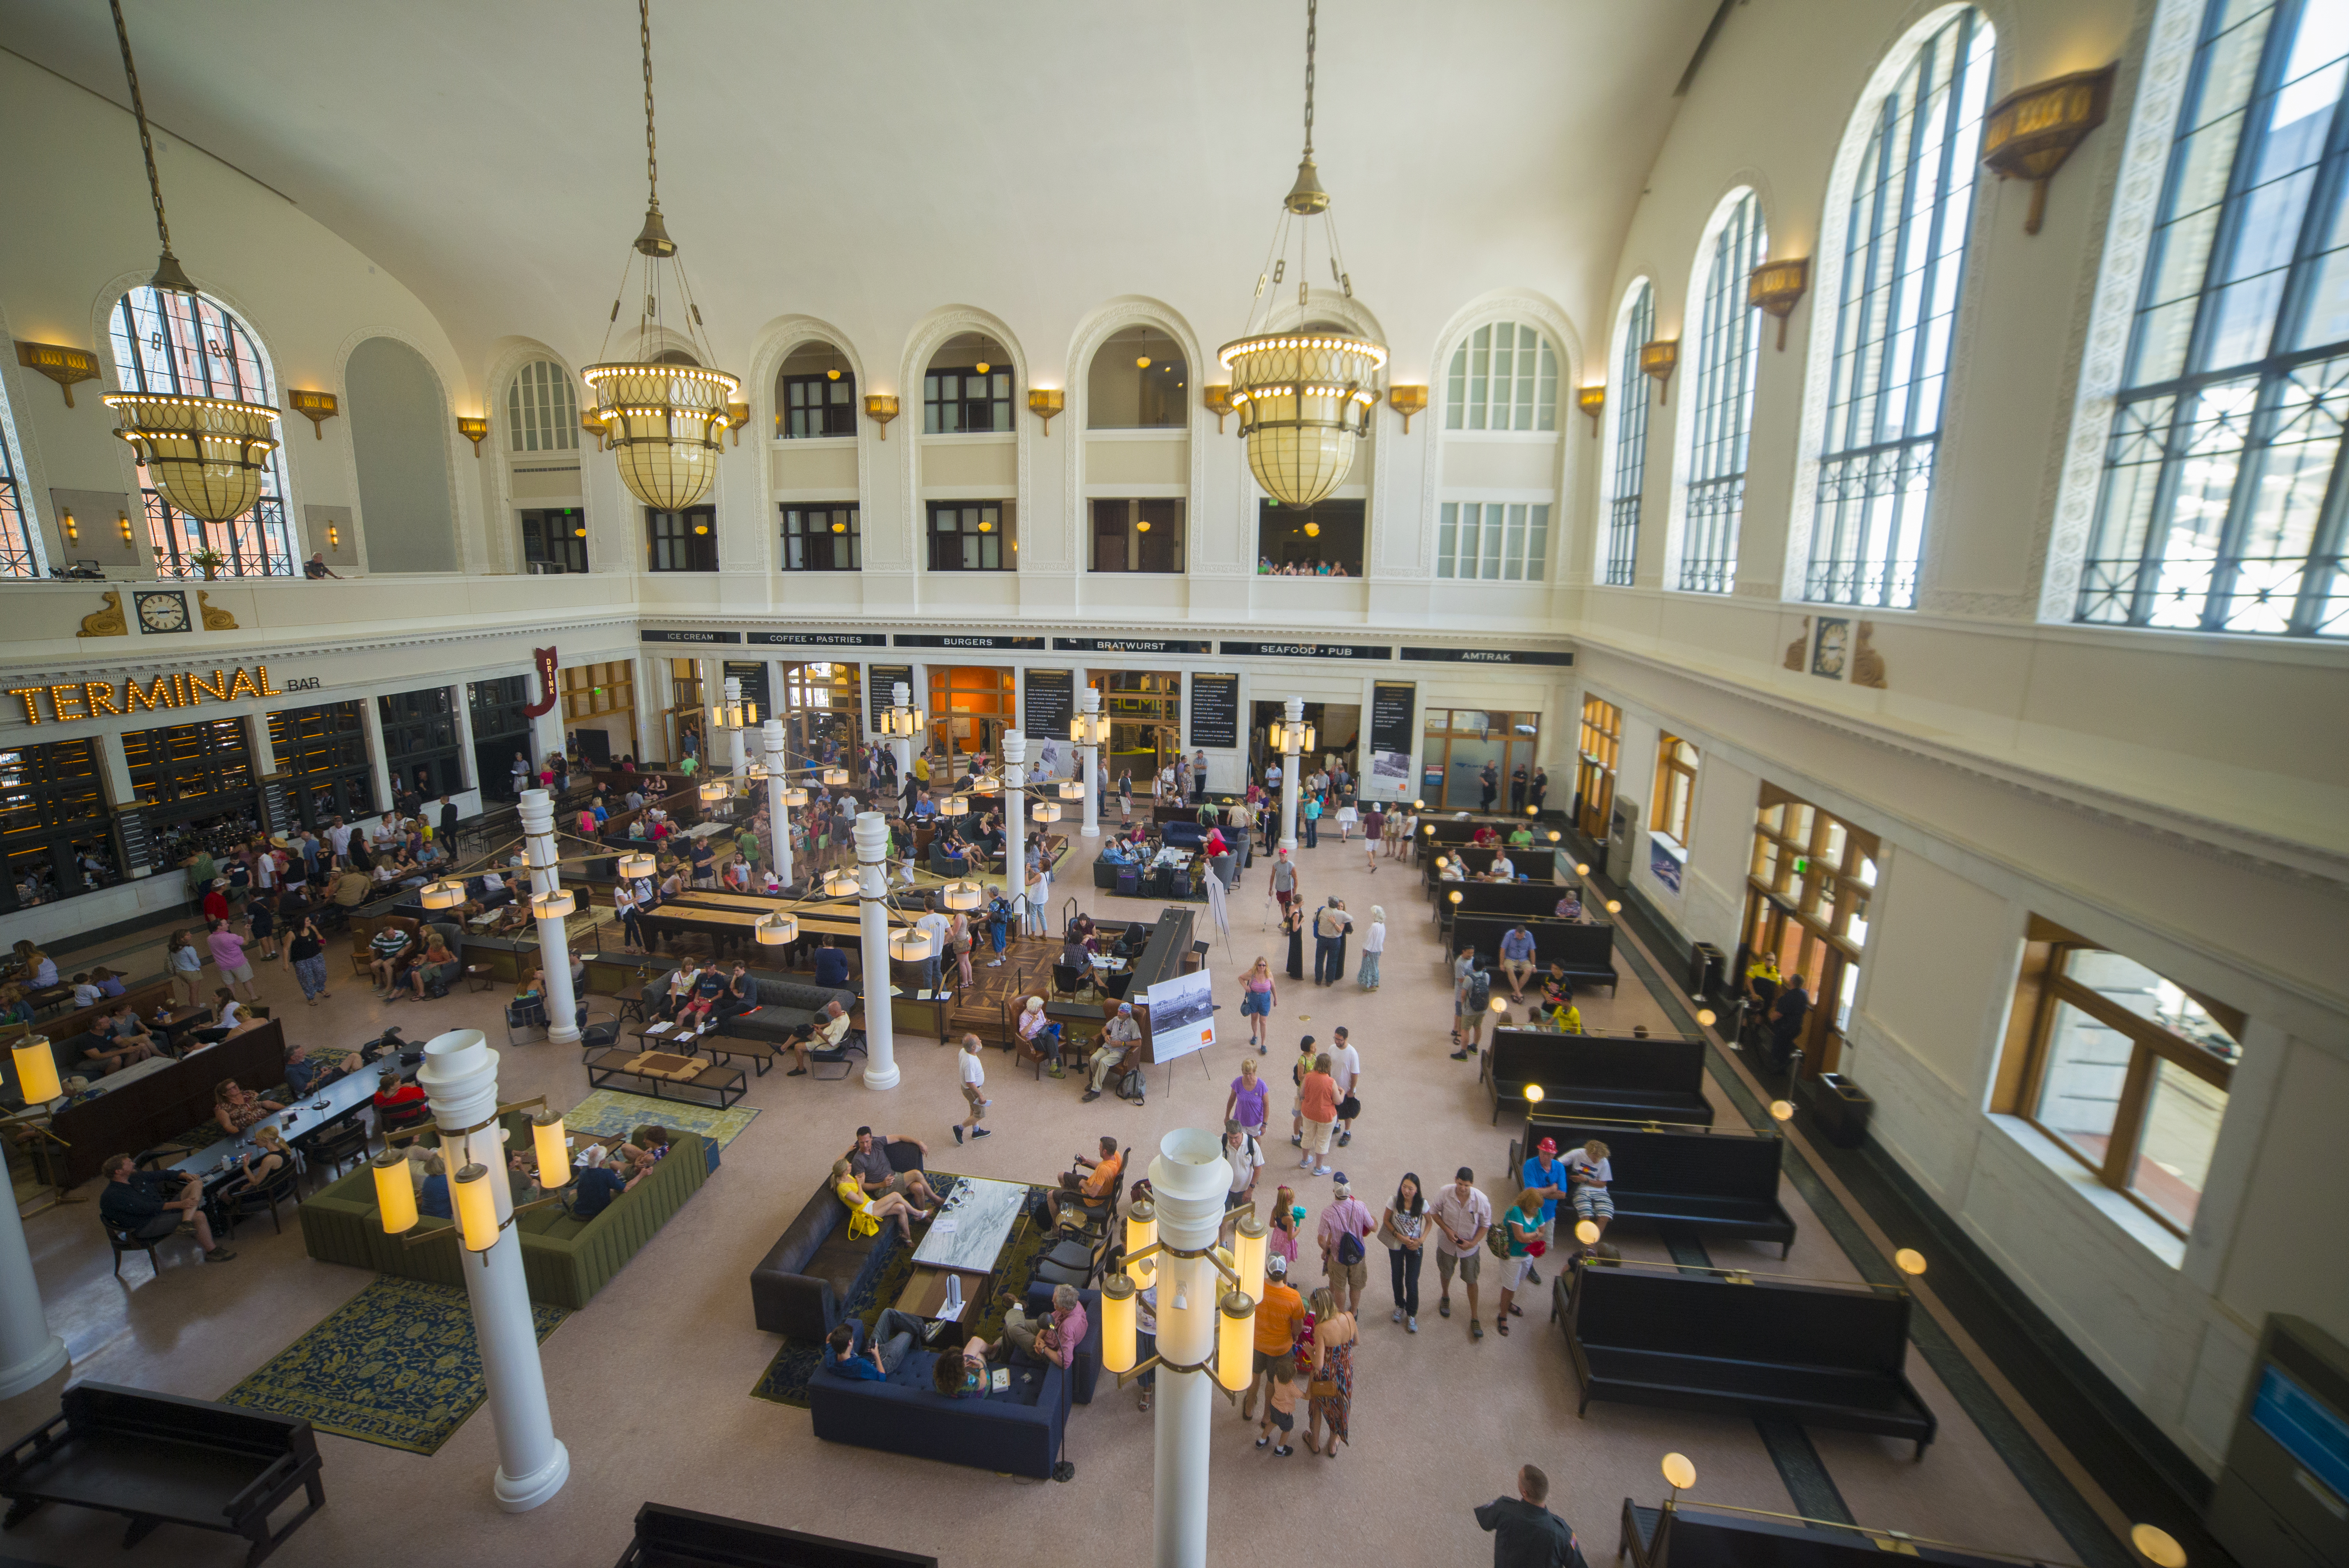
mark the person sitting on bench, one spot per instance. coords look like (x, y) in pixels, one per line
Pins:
(682, 981)
(384, 954)
(1588, 1172)
(1094, 1180)
(1517, 959)
(830, 967)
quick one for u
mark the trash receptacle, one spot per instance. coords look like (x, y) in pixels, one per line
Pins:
(1843, 1108)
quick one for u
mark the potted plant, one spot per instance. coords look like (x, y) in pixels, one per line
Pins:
(211, 560)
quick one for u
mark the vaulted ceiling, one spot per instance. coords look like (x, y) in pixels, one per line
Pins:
(865, 163)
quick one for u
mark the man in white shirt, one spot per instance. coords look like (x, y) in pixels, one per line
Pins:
(940, 928)
(1588, 1172)
(1462, 1216)
(1272, 778)
(1502, 869)
(338, 838)
(1346, 1067)
(1117, 1037)
(973, 1079)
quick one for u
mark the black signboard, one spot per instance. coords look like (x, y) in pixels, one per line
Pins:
(932, 640)
(822, 639)
(138, 842)
(753, 679)
(879, 690)
(1310, 650)
(1047, 696)
(1484, 656)
(1392, 715)
(690, 636)
(1214, 707)
(1133, 645)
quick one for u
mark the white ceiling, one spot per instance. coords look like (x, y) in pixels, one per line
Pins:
(866, 163)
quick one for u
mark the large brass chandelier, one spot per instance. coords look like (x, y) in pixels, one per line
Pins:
(206, 455)
(662, 420)
(1304, 394)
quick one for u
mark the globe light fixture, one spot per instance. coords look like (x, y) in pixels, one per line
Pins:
(663, 420)
(909, 945)
(446, 893)
(1704, 1016)
(839, 884)
(953, 806)
(1304, 394)
(776, 930)
(1781, 1111)
(637, 864)
(962, 896)
(1532, 1094)
(1909, 1261)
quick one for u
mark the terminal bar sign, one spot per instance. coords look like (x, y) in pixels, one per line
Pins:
(69, 701)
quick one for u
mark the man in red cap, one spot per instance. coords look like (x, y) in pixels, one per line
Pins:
(1545, 1178)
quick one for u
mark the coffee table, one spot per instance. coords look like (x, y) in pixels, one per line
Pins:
(966, 1237)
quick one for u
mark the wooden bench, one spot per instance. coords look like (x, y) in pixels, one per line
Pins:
(677, 1538)
(726, 1084)
(1534, 862)
(1612, 1078)
(1771, 1350)
(1710, 1536)
(160, 1460)
(1721, 1180)
(1516, 899)
(1585, 950)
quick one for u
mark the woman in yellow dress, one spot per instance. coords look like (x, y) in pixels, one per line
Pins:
(865, 1213)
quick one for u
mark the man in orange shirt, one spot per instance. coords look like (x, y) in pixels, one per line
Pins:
(1095, 1179)
(1317, 1099)
(1279, 1319)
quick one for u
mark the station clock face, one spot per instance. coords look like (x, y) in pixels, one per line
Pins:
(164, 612)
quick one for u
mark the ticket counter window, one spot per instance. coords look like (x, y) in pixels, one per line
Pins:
(1458, 743)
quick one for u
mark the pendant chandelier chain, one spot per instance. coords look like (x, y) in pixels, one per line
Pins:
(652, 148)
(146, 140)
(1312, 33)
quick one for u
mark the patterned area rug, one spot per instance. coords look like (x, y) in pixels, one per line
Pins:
(785, 1380)
(396, 1365)
(607, 1111)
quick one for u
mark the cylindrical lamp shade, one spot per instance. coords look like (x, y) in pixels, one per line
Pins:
(557, 905)
(1141, 1232)
(1045, 811)
(446, 893)
(1250, 1241)
(1118, 1347)
(756, 773)
(1235, 1341)
(395, 1194)
(909, 945)
(839, 884)
(713, 792)
(953, 806)
(962, 896)
(638, 864)
(795, 796)
(776, 930)
(986, 784)
(477, 1207)
(36, 1071)
(833, 778)
(554, 1153)
(1071, 790)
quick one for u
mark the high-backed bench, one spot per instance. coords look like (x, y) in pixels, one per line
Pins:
(1585, 950)
(1720, 1179)
(1612, 1077)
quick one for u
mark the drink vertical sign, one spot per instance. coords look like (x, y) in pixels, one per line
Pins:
(1393, 713)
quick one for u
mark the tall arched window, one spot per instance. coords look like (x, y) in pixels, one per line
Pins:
(542, 410)
(20, 539)
(1628, 477)
(1904, 250)
(190, 345)
(1503, 378)
(1728, 345)
(2223, 507)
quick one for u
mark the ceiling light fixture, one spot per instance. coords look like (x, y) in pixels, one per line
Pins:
(1304, 395)
(206, 454)
(662, 421)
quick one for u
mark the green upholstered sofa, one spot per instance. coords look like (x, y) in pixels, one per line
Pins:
(566, 1260)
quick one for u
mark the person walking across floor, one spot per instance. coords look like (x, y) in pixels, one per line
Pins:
(1258, 996)
(1374, 944)
(1331, 1391)
(1522, 1232)
(1525, 1533)
(305, 951)
(1330, 923)
(1279, 1317)
(1461, 1215)
(1403, 1230)
(1344, 1234)
(1346, 1067)
(1471, 993)
(1545, 1178)
(1248, 1098)
(1317, 1100)
(1306, 1052)
(974, 1080)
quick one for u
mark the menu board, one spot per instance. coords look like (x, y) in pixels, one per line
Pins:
(1048, 694)
(1215, 710)
(880, 684)
(1393, 714)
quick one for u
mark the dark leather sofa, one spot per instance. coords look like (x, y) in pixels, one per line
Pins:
(800, 1285)
(1701, 1535)
(1018, 1430)
(1605, 1077)
(1819, 1355)
(1085, 1372)
(785, 1001)
(1721, 1181)
(670, 1537)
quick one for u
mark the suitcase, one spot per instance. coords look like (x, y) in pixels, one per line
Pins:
(1128, 885)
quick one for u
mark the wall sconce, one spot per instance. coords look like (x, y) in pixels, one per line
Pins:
(61, 365)
(2030, 132)
(124, 518)
(737, 416)
(1777, 288)
(881, 408)
(594, 427)
(1657, 360)
(1591, 401)
(1044, 402)
(317, 407)
(473, 428)
(333, 537)
(1218, 401)
(1407, 401)
(73, 530)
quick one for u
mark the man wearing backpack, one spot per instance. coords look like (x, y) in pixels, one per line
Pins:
(1471, 993)
(1344, 1224)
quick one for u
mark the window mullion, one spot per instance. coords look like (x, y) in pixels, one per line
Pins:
(2275, 52)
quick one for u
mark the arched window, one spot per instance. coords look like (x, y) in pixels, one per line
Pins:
(815, 393)
(1139, 381)
(1728, 346)
(21, 554)
(1631, 398)
(542, 410)
(2219, 512)
(189, 344)
(1904, 250)
(1503, 378)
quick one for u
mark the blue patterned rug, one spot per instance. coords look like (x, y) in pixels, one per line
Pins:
(396, 1365)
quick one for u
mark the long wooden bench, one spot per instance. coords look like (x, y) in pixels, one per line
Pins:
(1710, 1536)
(1527, 900)
(1585, 950)
(1771, 1350)
(163, 1104)
(156, 1459)
(677, 1538)
(1720, 1179)
(1534, 862)
(1613, 1077)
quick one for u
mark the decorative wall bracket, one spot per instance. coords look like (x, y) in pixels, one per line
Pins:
(61, 365)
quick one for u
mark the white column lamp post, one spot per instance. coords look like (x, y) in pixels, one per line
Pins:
(901, 730)
(459, 1075)
(1091, 733)
(737, 745)
(552, 905)
(778, 819)
(1292, 737)
(30, 1354)
(873, 921)
(1015, 824)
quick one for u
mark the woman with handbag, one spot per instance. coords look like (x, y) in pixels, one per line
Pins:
(1332, 1388)
(1257, 997)
(1403, 1230)
(1522, 1226)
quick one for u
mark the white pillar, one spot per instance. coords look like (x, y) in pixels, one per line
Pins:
(1090, 705)
(779, 817)
(460, 1075)
(873, 921)
(901, 696)
(736, 744)
(1289, 762)
(371, 727)
(29, 1354)
(1015, 825)
(1188, 1184)
(554, 942)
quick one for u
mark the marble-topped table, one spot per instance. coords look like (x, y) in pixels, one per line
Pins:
(970, 1228)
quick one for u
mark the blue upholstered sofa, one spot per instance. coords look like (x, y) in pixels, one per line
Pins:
(1018, 1430)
